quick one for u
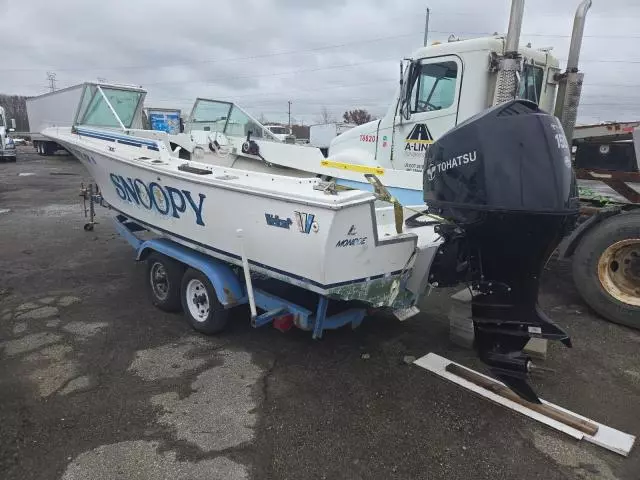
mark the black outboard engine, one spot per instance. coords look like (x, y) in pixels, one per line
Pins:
(503, 180)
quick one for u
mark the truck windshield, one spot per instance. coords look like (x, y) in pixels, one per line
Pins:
(278, 130)
(531, 83)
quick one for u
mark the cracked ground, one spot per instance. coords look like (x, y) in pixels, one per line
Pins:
(98, 384)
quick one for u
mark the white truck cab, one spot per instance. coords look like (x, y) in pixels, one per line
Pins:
(442, 85)
(282, 133)
(7, 147)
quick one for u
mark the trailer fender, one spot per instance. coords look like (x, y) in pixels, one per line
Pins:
(570, 243)
(229, 290)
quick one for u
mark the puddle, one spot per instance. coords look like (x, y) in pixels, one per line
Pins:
(58, 210)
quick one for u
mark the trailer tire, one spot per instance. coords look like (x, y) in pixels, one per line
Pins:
(164, 279)
(606, 269)
(200, 303)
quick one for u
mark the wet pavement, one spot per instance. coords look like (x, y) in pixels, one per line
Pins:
(98, 384)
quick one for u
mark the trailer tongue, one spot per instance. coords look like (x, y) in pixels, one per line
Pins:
(504, 181)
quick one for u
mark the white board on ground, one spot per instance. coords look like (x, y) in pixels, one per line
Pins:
(606, 437)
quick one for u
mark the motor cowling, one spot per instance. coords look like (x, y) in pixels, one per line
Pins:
(504, 182)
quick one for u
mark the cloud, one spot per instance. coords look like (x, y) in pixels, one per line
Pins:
(262, 53)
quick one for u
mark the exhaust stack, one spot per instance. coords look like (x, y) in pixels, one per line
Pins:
(510, 64)
(570, 82)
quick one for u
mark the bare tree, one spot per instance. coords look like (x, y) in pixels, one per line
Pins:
(262, 119)
(326, 116)
(357, 116)
(16, 107)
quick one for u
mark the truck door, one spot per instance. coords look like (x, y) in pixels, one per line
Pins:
(432, 94)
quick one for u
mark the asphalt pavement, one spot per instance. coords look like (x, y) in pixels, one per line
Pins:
(96, 383)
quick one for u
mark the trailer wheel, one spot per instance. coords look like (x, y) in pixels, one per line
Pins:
(164, 277)
(201, 306)
(606, 269)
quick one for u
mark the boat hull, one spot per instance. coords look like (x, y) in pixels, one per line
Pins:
(330, 244)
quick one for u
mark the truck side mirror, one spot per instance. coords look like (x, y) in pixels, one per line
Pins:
(405, 89)
(405, 111)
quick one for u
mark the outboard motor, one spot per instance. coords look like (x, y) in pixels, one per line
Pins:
(503, 182)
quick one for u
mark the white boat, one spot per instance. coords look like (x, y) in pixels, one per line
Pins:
(336, 243)
(493, 236)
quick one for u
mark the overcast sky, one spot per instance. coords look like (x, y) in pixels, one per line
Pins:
(261, 53)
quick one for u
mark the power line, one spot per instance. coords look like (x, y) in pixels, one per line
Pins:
(218, 60)
(316, 49)
(274, 74)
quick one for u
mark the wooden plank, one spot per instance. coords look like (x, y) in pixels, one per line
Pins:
(606, 437)
(499, 389)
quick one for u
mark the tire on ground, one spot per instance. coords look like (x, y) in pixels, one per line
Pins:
(196, 289)
(163, 278)
(585, 267)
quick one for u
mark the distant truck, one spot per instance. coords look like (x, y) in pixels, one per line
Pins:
(7, 147)
(55, 109)
(282, 133)
(320, 135)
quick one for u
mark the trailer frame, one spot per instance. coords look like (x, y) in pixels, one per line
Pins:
(231, 289)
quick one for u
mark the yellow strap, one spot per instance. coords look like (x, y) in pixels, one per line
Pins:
(352, 167)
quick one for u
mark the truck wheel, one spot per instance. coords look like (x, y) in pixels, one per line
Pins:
(164, 277)
(606, 269)
(201, 306)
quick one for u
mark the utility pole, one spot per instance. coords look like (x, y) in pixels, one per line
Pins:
(426, 27)
(289, 102)
(52, 81)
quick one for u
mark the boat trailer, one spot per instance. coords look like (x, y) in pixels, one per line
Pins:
(233, 286)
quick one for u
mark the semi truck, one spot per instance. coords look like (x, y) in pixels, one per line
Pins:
(444, 84)
(55, 109)
(7, 146)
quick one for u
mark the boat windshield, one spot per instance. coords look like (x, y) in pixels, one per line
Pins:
(227, 118)
(103, 106)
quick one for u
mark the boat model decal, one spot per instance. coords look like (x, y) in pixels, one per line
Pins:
(351, 242)
(163, 199)
(123, 139)
(276, 221)
(306, 222)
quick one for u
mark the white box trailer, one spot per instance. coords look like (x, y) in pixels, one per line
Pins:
(55, 109)
(320, 135)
